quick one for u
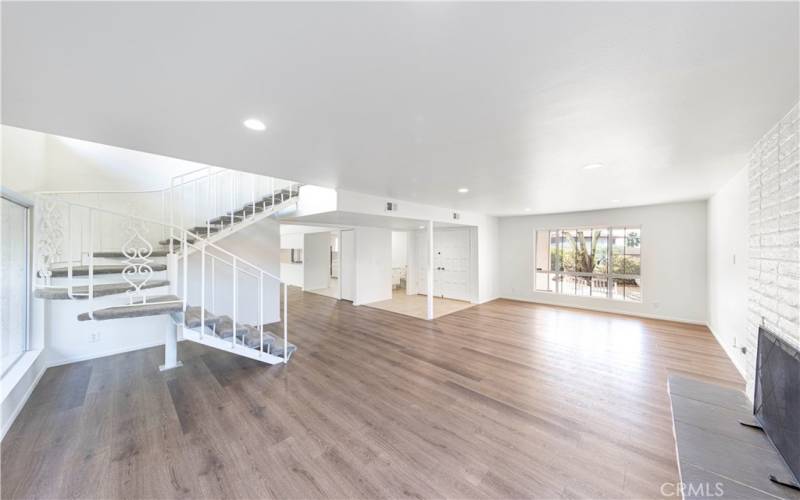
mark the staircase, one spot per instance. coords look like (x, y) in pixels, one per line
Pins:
(159, 252)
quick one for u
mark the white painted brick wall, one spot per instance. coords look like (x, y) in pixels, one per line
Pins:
(774, 236)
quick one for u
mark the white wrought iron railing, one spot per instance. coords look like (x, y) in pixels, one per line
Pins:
(200, 272)
(194, 199)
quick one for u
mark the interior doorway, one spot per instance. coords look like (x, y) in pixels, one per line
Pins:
(399, 261)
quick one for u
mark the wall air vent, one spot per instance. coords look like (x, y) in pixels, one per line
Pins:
(391, 207)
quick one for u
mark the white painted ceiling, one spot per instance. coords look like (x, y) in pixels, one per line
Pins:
(414, 100)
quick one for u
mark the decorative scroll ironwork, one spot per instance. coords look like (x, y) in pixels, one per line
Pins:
(137, 251)
(50, 237)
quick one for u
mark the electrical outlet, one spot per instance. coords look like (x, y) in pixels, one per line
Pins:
(94, 337)
(656, 305)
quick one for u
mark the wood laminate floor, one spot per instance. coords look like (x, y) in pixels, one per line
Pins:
(501, 400)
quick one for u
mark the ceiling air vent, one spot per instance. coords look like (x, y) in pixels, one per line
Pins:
(391, 207)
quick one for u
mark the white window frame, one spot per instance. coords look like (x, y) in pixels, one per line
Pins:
(29, 264)
(608, 275)
(35, 317)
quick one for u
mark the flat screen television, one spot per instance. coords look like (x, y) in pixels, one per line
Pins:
(777, 396)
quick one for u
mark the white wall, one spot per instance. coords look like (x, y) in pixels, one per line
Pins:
(373, 262)
(727, 266)
(399, 248)
(412, 275)
(673, 259)
(33, 161)
(348, 265)
(316, 260)
(258, 244)
(68, 339)
(488, 265)
(773, 238)
(292, 273)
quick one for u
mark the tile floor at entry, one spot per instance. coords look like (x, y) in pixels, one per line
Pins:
(332, 290)
(416, 305)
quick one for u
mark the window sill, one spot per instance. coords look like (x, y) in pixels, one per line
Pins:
(593, 297)
(10, 380)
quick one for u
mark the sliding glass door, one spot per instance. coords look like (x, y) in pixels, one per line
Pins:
(14, 281)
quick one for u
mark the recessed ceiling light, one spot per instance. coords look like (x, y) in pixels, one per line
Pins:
(463, 190)
(615, 201)
(255, 124)
(593, 166)
(527, 209)
(422, 227)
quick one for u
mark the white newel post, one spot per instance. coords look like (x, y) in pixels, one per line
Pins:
(171, 339)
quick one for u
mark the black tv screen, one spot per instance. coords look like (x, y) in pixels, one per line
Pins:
(777, 396)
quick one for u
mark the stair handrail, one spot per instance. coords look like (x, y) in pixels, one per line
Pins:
(208, 179)
(178, 184)
(168, 226)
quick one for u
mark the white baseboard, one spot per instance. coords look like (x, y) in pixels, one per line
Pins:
(741, 369)
(485, 301)
(7, 425)
(608, 310)
(112, 352)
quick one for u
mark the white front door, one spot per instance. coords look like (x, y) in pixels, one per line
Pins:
(451, 264)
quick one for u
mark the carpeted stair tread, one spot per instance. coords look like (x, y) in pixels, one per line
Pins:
(258, 207)
(193, 317)
(224, 220)
(101, 290)
(277, 349)
(201, 230)
(252, 338)
(156, 305)
(120, 255)
(176, 241)
(62, 272)
(224, 328)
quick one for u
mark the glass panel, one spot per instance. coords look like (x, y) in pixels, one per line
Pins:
(14, 283)
(567, 284)
(600, 254)
(584, 260)
(599, 286)
(618, 289)
(583, 286)
(618, 251)
(544, 281)
(569, 249)
(555, 251)
(633, 291)
(632, 251)
(599, 251)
